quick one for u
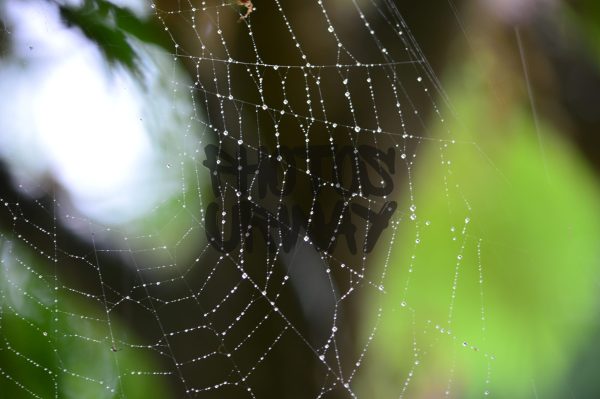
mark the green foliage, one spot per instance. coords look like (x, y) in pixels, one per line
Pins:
(111, 28)
(584, 16)
(533, 222)
(49, 348)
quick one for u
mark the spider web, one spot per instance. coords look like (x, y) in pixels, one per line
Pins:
(306, 124)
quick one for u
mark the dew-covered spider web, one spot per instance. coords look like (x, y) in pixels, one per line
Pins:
(290, 174)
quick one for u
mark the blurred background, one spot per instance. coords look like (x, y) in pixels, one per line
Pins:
(485, 283)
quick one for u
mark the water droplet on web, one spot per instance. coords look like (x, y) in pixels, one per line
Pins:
(297, 118)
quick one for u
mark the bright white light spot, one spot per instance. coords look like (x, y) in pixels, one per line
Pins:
(71, 118)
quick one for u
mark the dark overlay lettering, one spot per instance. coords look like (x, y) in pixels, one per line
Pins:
(371, 171)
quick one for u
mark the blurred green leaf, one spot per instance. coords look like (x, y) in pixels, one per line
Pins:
(584, 17)
(63, 348)
(110, 27)
(518, 210)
